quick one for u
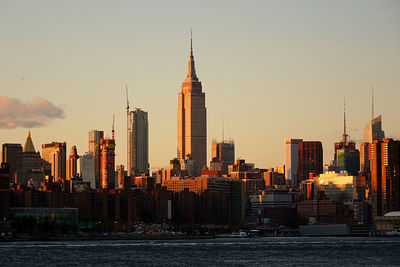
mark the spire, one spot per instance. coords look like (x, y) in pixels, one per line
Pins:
(191, 75)
(113, 131)
(28, 147)
(344, 137)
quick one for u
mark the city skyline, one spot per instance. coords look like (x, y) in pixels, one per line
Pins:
(259, 84)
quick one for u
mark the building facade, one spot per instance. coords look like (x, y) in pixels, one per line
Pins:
(139, 142)
(192, 118)
(10, 154)
(302, 158)
(107, 163)
(72, 163)
(224, 153)
(95, 136)
(55, 154)
(385, 175)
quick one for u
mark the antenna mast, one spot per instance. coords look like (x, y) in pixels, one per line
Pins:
(113, 131)
(344, 139)
(128, 130)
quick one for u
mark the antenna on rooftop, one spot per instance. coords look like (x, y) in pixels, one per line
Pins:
(113, 131)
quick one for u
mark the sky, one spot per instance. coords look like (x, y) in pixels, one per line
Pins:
(270, 70)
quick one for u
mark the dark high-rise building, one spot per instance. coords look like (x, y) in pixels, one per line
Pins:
(310, 159)
(4, 190)
(139, 142)
(385, 175)
(224, 153)
(10, 154)
(302, 158)
(30, 164)
(192, 118)
(55, 154)
(107, 163)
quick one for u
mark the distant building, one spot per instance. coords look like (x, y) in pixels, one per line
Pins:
(292, 160)
(372, 132)
(30, 165)
(107, 163)
(224, 153)
(269, 199)
(139, 142)
(95, 137)
(121, 173)
(72, 163)
(385, 175)
(4, 191)
(192, 119)
(55, 154)
(188, 167)
(10, 154)
(341, 186)
(302, 158)
(221, 199)
(273, 178)
(87, 168)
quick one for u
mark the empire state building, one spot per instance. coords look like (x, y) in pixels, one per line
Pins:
(192, 118)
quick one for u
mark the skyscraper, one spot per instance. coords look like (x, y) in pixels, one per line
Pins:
(139, 142)
(292, 160)
(224, 152)
(372, 132)
(72, 163)
(310, 159)
(55, 154)
(10, 154)
(30, 164)
(385, 175)
(107, 163)
(192, 118)
(347, 157)
(95, 137)
(302, 158)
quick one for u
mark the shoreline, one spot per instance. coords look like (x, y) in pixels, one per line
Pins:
(104, 238)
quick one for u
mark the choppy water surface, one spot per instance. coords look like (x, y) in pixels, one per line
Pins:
(292, 251)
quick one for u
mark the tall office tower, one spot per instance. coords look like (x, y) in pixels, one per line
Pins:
(310, 159)
(347, 157)
(372, 132)
(55, 154)
(192, 118)
(72, 167)
(292, 160)
(95, 137)
(30, 164)
(385, 175)
(302, 158)
(86, 164)
(224, 152)
(107, 163)
(10, 154)
(139, 142)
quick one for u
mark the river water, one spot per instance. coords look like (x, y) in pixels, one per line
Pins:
(276, 251)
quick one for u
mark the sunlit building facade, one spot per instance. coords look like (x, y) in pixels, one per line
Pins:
(192, 118)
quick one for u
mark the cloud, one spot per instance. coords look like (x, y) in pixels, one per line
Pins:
(36, 113)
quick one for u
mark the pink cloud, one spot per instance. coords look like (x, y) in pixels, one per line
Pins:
(36, 113)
